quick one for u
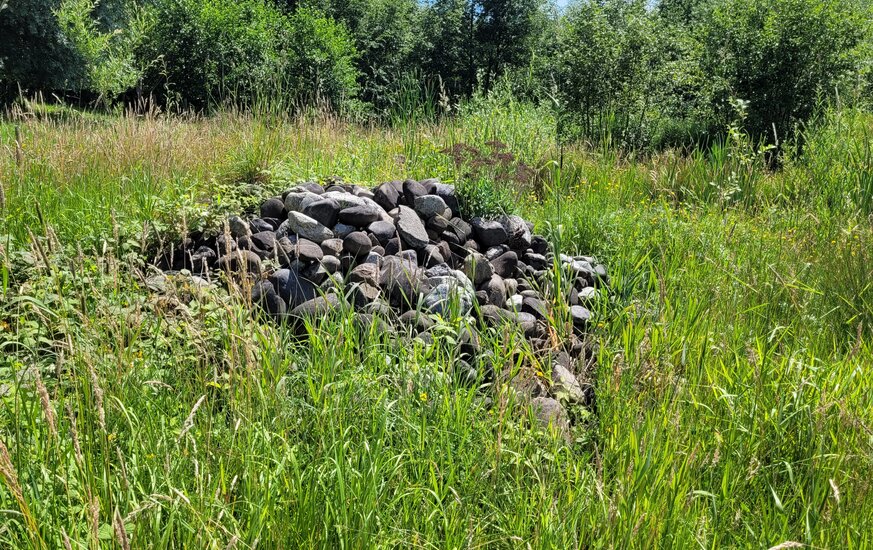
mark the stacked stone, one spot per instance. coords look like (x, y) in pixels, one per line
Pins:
(395, 254)
(396, 248)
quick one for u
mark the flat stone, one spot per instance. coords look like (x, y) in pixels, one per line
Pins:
(307, 228)
(410, 228)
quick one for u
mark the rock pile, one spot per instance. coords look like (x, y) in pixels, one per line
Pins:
(396, 253)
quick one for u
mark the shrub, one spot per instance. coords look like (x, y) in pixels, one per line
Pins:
(203, 52)
(34, 53)
(782, 56)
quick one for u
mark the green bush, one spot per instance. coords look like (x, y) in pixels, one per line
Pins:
(782, 56)
(34, 53)
(607, 71)
(206, 52)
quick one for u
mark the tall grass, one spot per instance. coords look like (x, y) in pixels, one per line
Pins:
(732, 388)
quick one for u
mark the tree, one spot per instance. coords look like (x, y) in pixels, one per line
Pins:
(34, 52)
(781, 56)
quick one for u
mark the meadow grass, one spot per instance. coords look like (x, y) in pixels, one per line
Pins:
(734, 405)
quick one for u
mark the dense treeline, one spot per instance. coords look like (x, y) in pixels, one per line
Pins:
(642, 74)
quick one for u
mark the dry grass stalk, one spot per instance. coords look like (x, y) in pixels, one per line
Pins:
(189, 422)
(74, 433)
(120, 532)
(10, 478)
(46, 405)
(98, 396)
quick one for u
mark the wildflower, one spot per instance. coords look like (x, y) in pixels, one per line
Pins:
(423, 396)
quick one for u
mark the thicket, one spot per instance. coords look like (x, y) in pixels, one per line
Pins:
(629, 73)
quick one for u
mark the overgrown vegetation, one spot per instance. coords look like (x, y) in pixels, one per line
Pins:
(631, 74)
(732, 403)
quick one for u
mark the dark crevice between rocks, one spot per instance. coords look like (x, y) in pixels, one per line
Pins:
(399, 254)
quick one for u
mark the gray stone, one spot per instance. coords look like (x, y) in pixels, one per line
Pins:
(332, 247)
(347, 200)
(488, 233)
(363, 294)
(539, 244)
(238, 227)
(382, 230)
(518, 234)
(357, 244)
(496, 290)
(273, 208)
(564, 383)
(343, 230)
(505, 264)
(535, 307)
(412, 189)
(360, 216)
(580, 316)
(429, 206)
(292, 287)
(324, 210)
(410, 228)
(240, 261)
(331, 264)
(365, 273)
(431, 256)
(477, 268)
(448, 292)
(551, 415)
(307, 228)
(265, 240)
(387, 196)
(316, 307)
(294, 200)
(308, 251)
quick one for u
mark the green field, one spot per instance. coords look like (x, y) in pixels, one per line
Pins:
(734, 354)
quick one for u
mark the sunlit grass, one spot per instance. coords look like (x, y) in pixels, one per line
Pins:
(733, 392)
